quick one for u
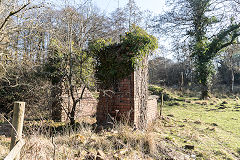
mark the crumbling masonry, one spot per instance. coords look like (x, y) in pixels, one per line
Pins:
(129, 100)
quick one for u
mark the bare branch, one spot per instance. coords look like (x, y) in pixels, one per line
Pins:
(13, 13)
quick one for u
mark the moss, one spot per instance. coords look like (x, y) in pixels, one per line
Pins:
(156, 90)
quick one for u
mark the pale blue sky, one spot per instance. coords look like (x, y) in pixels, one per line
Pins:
(156, 6)
(107, 6)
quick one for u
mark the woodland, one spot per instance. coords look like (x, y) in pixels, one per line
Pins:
(193, 50)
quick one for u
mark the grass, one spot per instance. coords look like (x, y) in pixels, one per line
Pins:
(120, 142)
(4, 146)
(212, 126)
(189, 128)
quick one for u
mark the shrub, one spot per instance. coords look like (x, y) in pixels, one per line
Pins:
(156, 90)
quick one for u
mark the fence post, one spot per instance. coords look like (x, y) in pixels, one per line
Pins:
(181, 82)
(17, 123)
(161, 106)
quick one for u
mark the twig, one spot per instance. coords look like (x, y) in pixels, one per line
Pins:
(54, 148)
(10, 124)
(13, 13)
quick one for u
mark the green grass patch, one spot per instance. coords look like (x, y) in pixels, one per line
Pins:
(212, 126)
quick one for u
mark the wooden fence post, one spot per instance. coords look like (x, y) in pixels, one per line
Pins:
(161, 105)
(181, 82)
(17, 124)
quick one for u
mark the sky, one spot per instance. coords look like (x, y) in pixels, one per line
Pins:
(156, 6)
(107, 6)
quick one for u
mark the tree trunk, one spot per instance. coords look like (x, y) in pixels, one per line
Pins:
(205, 91)
(75, 101)
(181, 82)
(72, 114)
(232, 81)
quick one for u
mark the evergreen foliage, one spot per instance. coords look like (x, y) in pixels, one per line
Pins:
(115, 61)
(206, 50)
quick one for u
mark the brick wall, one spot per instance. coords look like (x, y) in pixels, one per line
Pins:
(152, 111)
(116, 102)
(128, 100)
(86, 107)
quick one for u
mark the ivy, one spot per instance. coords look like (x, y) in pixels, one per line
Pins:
(205, 50)
(115, 61)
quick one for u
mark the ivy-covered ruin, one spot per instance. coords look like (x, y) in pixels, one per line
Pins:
(122, 74)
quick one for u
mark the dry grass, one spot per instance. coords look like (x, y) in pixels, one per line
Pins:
(213, 132)
(4, 146)
(120, 142)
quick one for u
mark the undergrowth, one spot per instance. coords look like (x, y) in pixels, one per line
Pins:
(189, 129)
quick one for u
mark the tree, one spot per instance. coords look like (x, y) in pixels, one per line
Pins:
(133, 13)
(229, 65)
(158, 68)
(8, 9)
(17, 71)
(205, 53)
(118, 21)
(199, 23)
(68, 61)
(50, 43)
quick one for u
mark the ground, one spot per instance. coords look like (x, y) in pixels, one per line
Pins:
(211, 126)
(188, 129)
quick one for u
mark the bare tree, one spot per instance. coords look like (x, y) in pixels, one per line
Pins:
(230, 59)
(73, 28)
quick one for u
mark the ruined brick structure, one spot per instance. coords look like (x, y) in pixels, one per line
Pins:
(128, 100)
(86, 107)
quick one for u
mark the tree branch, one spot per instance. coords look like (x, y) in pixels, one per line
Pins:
(81, 94)
(229, 43)
(216, 45)
(13, 13)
